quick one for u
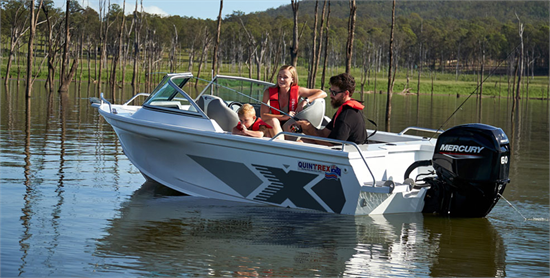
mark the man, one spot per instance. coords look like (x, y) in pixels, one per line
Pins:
(347, 123)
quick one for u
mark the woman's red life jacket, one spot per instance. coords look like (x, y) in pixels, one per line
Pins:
(274, 99)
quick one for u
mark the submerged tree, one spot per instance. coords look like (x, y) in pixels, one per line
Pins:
(388, 101)
(33, 18)
(295, 37)
(351, 34)
(327, 28)
(67, 77)
(217, 44)
(17, 15)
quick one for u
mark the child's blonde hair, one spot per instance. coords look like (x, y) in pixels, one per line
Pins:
(246, 110)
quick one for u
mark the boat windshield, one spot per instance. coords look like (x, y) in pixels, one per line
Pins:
(171, 94)
(236, 89)
(175, 91)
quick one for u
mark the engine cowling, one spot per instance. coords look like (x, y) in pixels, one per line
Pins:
(472, 166)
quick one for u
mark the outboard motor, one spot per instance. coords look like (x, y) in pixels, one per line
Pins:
(472, 165)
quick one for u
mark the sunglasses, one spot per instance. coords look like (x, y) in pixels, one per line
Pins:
(333, 93)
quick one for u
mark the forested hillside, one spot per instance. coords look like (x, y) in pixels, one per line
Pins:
(502, 11)
(453, 37)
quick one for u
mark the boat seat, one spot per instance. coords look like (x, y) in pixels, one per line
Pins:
(313, 112)
(216, 109)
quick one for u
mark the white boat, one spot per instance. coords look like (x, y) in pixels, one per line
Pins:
(186, 144)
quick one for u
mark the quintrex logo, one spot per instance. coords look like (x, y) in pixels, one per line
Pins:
(331, 172)
(461, 148)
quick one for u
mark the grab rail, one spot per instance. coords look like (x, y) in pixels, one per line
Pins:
(298, 135)
(134, 97)
(104, 100)
(420, 129)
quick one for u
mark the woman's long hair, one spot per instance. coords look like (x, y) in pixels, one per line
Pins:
(293, 73)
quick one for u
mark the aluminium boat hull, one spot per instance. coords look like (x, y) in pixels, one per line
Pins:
(209, 163)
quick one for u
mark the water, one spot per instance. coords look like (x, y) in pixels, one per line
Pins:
(73, 205)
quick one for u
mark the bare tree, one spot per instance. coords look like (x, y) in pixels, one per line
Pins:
(258, 55)
(206, 46)
(482, 69)
(52, 49)
(279, 46)
(193, 51)
(126, 52)
(173, 50)
(313, 49)
(295, 37)
(103, 32)
(17, 29)
(388, 102)
(66, 78)
(137, 31)
(116, 57)
(215, 70)
(33, 22)
(351, 33)
(320, 40)
(520, 58)
(327, 28)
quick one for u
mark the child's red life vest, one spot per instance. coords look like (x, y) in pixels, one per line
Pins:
(255, 126)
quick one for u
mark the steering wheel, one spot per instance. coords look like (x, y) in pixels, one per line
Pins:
(237, 105)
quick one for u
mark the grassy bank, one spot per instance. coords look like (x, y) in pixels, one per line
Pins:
(443, 83)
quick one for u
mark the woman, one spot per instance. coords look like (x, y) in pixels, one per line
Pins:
(285, 96)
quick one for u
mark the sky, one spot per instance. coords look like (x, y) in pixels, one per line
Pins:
(192, 8)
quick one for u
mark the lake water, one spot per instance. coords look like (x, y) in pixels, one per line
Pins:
(73, 205)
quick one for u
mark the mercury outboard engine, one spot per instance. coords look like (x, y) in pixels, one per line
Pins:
(472, 165)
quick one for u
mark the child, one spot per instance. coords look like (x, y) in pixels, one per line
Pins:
(250, 125)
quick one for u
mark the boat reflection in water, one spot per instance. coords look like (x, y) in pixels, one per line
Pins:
(161, 232)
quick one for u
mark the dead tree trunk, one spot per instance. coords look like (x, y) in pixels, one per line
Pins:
(80, 55)
(260, 56)
(313, 48)
(364, 70)
(520, 59)
(482, 68)
(323, 75)
(17, 30)
(215, 68)
(206, 47)
(52, 51)
(173, 61)
(388, 101)
(319, 47)
(126, 52)
(278, 51)
(457, 61)
(33, 21)
(137, 31)
(294, 47)
(28, 86)
(116, 57)
(66, 78)
(88, 57)
(351, 34)
(103, 31)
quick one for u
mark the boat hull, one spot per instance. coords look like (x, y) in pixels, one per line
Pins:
(276, 172)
